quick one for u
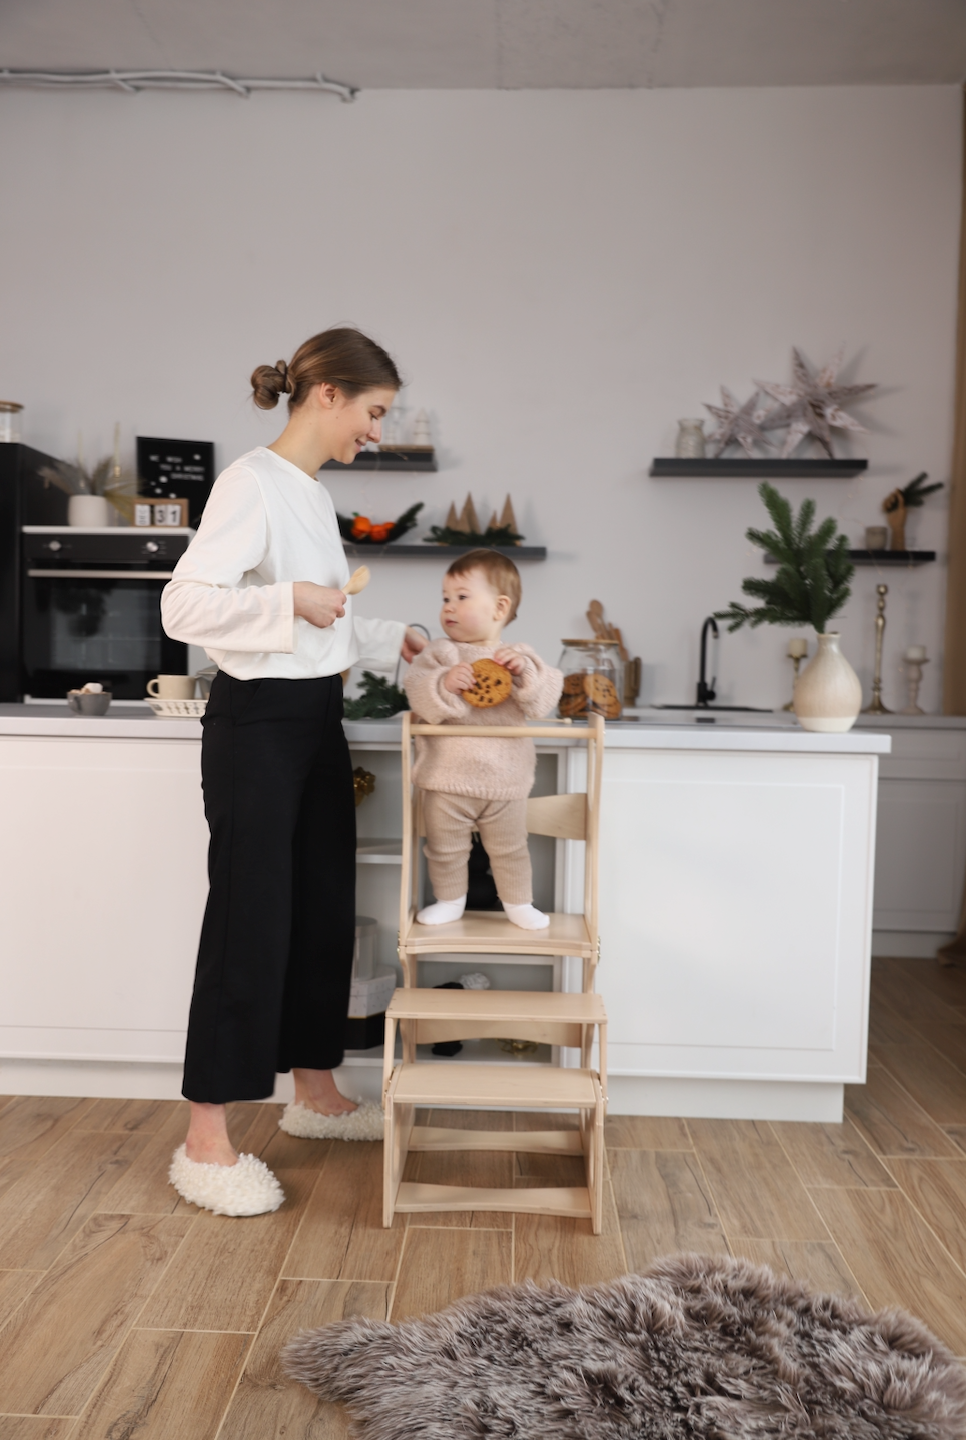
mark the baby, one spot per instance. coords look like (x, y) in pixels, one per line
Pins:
(478, 782)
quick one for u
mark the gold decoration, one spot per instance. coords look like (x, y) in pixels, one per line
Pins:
(363, 783)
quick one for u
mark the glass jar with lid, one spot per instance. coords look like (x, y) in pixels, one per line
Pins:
(10, 421)
(593, 679)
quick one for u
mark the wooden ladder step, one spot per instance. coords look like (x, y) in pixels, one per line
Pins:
(498, 1005)
(484, 932)
(415, 1198)
(498, 1086)
(530, 1142)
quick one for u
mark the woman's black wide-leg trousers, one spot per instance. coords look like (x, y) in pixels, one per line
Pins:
(272, 983)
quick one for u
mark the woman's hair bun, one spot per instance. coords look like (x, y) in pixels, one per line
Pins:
(342, 357)
(268, 383)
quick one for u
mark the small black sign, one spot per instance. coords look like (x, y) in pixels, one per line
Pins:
(177, 469)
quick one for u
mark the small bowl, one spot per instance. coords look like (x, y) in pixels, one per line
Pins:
(88, 704)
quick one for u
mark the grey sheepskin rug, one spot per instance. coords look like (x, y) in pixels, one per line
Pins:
(696, 1348)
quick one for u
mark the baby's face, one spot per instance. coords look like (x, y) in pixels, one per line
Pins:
(473, 611)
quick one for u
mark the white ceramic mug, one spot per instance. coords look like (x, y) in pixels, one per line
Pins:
(172, 687)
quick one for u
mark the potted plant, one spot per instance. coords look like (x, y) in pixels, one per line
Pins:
(810, 585)
(91, 492)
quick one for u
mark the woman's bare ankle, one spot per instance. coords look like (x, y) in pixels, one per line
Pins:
(207, 1141)
(317, 1090)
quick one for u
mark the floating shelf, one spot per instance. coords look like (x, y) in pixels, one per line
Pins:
(735, 469)
(390, 461)
(891, 559)
(429, 552)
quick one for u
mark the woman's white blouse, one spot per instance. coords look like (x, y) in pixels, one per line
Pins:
(266, 525)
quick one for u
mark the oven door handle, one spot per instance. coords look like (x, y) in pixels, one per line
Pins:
(100, 574)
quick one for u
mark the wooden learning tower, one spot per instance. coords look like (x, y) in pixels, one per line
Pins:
(428, 1016)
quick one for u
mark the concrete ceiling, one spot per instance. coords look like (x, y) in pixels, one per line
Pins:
(514, 44)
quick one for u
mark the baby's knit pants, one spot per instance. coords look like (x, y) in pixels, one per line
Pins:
(450, 821)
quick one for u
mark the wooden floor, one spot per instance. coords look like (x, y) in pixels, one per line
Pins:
(127, 1313)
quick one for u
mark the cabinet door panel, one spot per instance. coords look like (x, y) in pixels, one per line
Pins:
(103, 885)
(920, 855)
(735, 912)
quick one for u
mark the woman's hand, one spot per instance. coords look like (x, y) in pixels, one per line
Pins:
(458, 679)
(413, 642)
(510, 660)
(317, 604)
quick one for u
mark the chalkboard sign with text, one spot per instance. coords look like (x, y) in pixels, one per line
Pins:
(171, 469)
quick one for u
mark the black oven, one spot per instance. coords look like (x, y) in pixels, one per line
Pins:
(90, 609)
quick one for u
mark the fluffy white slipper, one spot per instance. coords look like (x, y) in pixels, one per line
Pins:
(366, 1123)
(248, 1188)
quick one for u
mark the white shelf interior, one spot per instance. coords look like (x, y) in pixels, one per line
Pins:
(378, 852)
(474, 1052)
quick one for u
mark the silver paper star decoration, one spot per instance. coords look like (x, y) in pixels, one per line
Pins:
(737, 424)
(812, 405)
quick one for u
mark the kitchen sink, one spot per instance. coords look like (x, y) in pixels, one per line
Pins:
(748, 709)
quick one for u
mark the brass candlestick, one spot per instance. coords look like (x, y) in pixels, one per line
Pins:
(877, 707)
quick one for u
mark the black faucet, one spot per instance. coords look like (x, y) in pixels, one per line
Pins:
(706, 692)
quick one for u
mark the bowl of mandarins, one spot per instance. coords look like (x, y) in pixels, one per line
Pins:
(360, 530)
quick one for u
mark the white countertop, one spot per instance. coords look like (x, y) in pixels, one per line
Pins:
(654, 730)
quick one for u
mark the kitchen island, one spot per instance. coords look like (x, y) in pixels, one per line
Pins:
(736, 905)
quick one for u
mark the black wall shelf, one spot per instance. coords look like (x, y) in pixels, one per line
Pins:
(670, 468)
(889, 559)
(438, 552)
(390, 462)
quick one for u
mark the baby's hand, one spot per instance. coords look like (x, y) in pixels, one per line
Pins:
(509, 659)
(458, 679)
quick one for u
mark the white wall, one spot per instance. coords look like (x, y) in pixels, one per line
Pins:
(560, 274)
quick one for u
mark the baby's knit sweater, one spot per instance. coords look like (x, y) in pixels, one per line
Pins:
(477, 765)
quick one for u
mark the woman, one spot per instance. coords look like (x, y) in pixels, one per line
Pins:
(259, 587)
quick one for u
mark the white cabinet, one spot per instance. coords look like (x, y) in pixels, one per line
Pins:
(921, 833)
(103, 884)
(735, 901)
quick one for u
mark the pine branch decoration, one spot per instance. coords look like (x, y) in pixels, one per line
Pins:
(812, 581)
(379, 700)
(493, 535)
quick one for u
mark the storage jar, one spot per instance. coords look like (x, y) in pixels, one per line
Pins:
(593, 679)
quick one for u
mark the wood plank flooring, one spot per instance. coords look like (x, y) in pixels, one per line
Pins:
(125, 1312)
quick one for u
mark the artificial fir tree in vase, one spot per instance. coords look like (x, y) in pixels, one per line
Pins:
(810, 585)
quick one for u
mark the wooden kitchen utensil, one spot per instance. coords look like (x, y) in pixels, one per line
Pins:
(357, 581)
(604, 631)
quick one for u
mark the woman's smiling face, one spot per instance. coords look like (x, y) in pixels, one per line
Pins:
(355, 422)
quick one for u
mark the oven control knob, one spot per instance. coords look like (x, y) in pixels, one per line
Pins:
(152, 547)
(54, 545)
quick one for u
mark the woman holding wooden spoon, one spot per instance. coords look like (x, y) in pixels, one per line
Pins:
(264, 588)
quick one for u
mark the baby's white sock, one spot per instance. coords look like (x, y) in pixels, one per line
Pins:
(528, 917)
(442, 912)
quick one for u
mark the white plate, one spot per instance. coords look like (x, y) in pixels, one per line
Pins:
(177, 709)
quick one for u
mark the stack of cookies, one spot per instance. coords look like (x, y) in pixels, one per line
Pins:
(584, 692)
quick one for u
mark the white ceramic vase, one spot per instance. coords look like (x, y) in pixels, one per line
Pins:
(91, 511)
(828, 694)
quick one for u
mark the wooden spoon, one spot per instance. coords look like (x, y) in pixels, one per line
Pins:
(595, 614)
(357, 581)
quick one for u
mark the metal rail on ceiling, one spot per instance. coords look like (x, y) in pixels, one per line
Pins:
(133, 81)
